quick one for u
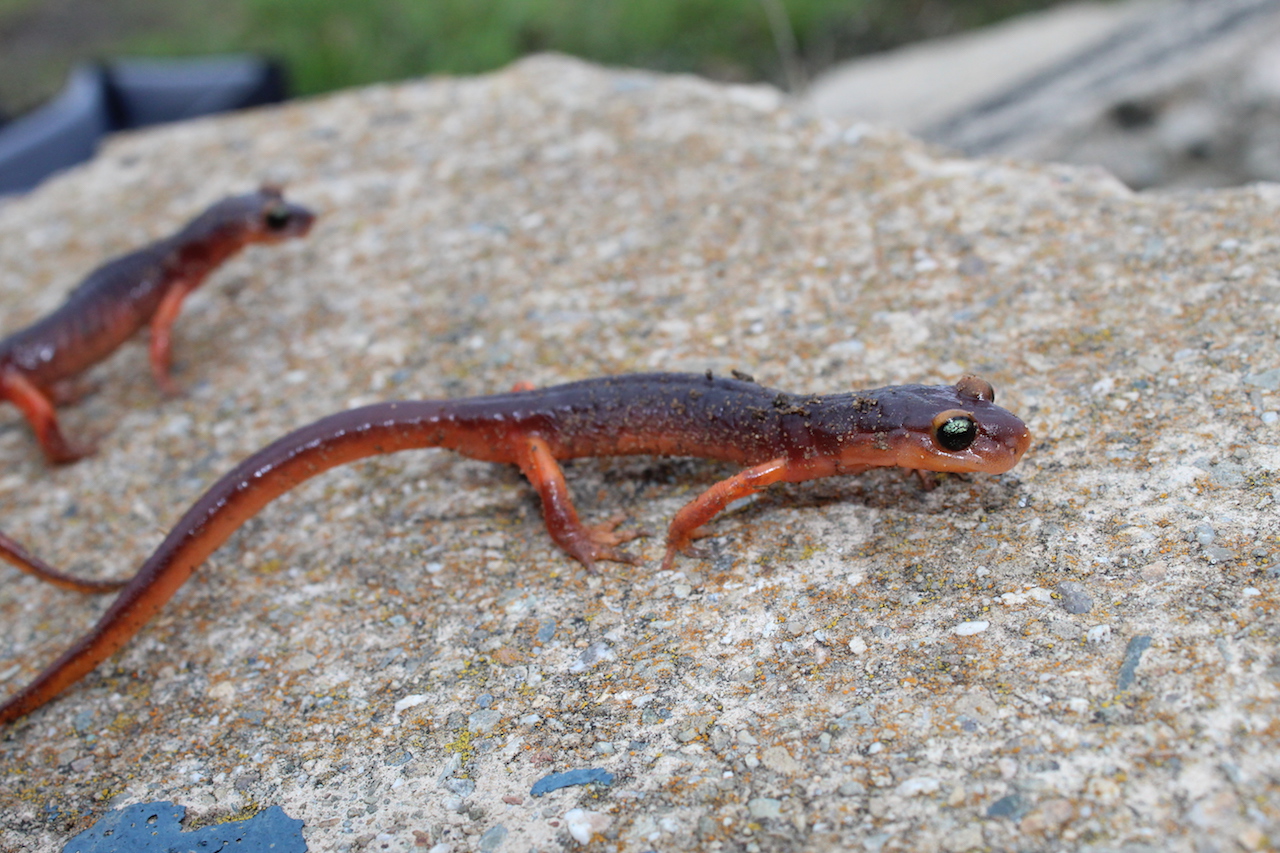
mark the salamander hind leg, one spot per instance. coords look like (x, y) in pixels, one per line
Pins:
(585, 543)
(37, 408)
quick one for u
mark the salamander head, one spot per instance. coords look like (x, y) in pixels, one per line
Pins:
(275, 219)
(956, 428)
(258, 217)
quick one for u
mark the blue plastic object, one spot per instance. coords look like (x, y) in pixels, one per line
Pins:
(125, 94)
(60, 134)
(581, 776)
(157, 828)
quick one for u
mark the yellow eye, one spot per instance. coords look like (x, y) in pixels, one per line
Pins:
(954, 430)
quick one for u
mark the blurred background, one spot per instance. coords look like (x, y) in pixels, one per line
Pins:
(1162, 93)
(330, 44)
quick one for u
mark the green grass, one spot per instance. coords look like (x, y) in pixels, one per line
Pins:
(328, 44)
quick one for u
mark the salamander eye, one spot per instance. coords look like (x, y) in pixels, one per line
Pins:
(954, 430)
(277, 218)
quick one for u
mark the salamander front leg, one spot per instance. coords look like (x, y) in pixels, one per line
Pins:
(584, 543)
(700, 510)
(37, 408)
(16, 555)
(161, 342)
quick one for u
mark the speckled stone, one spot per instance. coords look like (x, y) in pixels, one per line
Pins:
(556, 221)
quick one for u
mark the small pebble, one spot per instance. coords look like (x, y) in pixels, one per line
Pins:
(1267, 380)
(592, 655)
(492, 838)
(1012, 806)
(461, 787)
(1073, 597)
(1132, 656)
(1098, 634)
(852, 789)
(584, 825)
(1205, 534)
(764, 807)
(484, 720)
(411, 701)
(966, 629)
(918, 785)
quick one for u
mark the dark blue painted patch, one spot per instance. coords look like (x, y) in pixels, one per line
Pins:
(157, 828)
(1132, 656)
(583, 776)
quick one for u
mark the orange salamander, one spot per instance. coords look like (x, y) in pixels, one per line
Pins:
(120, 297)
(779, 437)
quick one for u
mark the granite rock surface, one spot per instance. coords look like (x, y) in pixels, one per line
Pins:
(1078, 655)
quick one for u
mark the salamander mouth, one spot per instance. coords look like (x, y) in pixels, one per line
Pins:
(1020, 444)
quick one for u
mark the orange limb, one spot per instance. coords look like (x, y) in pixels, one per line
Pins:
(928, 479)
(523, 386)
(700, 510)
(37, 408)
(16, 555)
(161, 327)
(585, 543)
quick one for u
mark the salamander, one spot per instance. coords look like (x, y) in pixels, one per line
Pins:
(778, 437)
(117, 299)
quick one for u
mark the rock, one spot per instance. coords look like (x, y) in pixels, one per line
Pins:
(555, 221)
(1172, 93)
(899, 87)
